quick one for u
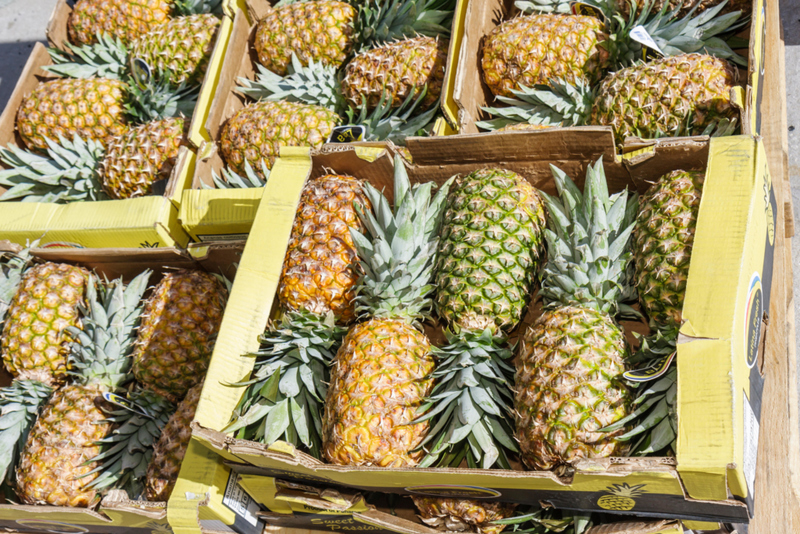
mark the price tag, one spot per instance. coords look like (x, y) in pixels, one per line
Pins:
(651, 51)
(656, 369)
(141, 72)
(347, 134)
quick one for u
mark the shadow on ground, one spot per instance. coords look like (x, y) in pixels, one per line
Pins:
(12, 58)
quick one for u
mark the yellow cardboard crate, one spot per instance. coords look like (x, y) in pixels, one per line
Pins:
(116, 512)
(466, 93)
(720, 382)
(150, 221)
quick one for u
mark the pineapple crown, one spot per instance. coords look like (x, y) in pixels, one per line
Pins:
(125, 454)
(19, 405)
(106, 58)
(101, 353)
(472, 402)
(68, 172)
(156, 100)
(380, 21)
(232, 180)
(587, 244)
(284, 398)
(181, 8)
(320, 85)
(399, 251)
(13, 265)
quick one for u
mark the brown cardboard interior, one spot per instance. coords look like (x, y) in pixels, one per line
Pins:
(470, 91)
(239, 61)
(216, 258)
(56, 31)
(530, 154)
(32, 76)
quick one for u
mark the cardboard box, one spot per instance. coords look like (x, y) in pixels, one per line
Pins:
(116, 514)
(720, 382)
(150, 221)
(468, 93)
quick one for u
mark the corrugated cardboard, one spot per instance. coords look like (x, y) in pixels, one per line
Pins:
(150, 221)
(730, 279)
(116, 513)
(468, 93)
(212, 214)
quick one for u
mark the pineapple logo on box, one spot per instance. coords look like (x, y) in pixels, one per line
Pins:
(458, 492)
(621, 497)
(56, 527)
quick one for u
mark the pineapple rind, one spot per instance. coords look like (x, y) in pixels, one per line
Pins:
(462, 515)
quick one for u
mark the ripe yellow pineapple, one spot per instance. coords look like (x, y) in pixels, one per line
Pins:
(321, 267)
(55, 466)
(92, 109)
(168, 453)
(399, 69)
(34, 341)
(462, 515)
(179, 324)
(257, 131)
(140, 157)
(381, 373)
(125, 19)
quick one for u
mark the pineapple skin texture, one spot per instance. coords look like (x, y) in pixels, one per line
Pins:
(180, 48)
(379, 378)
(124, 19)
(489, 250)
(319, 30)
(176, 336)
(569, 385)
(745, 6)
(320, 270)
(462, 515)
(34, 338)
(664, 95)
(530, 50)
(141, 156)
(91, 108)
(401, 68)
(169, 450)
(259, 129)
(60, 442)
(662, 243)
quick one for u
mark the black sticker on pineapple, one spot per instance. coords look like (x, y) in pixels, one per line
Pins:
(141, 72)
(650, 49)
(581, 8)
(122, 402)
(347, 134)
(652, 371)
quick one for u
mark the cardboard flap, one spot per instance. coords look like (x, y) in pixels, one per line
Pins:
(638, 527)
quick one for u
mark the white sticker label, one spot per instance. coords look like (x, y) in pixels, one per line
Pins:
(640, 35)
(750, 445)
(239, 501)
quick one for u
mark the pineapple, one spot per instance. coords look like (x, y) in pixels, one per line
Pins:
(684, 6)
(55, 465)
(162, 472)
(536, 49)
(92, 109)
(327, 31)
(396, 69)
(179, 48)
(180, 321)
(320, 270)
(382, 371)
(530, 50)
(36, 335)
(140, 157)
(255, 132)
(662, 245)
(460, 515)
(488, 256)
(635, 101)
(571, 359)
